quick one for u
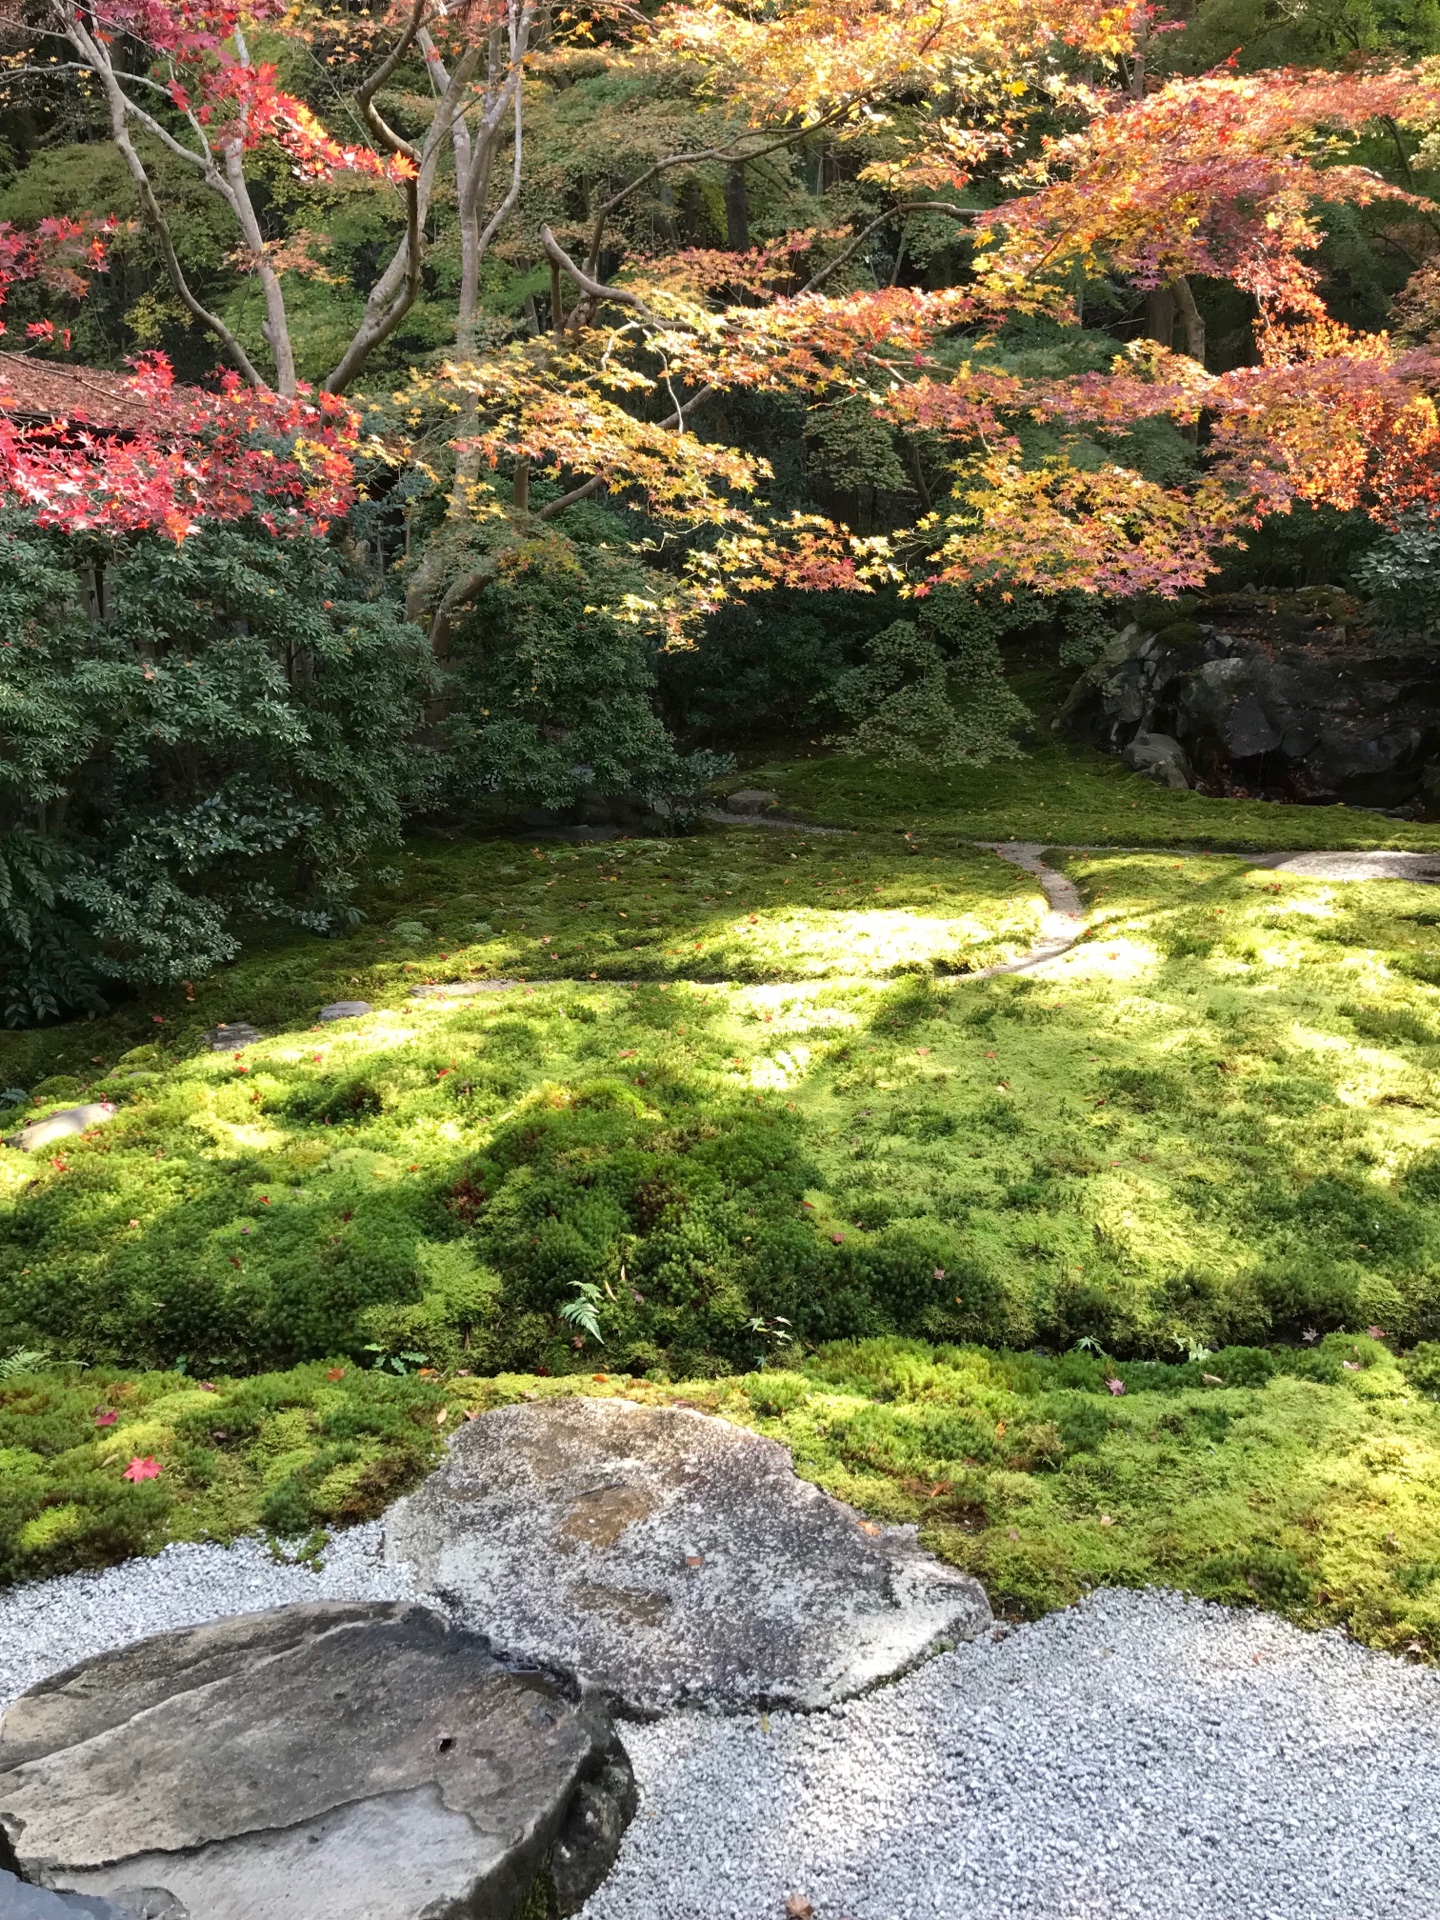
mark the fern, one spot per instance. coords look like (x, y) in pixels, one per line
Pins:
(24, 1360)
(584, 1310)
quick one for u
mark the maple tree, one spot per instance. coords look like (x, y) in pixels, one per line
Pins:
(1220, 177)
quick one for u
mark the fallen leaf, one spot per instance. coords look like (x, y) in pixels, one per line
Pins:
(1107, 1519)
(838, 1238)
(1352, 1366)
(1309, 1334)
(442, 1416)
(797, 1907)
(106, 1419)
(148, 1468)
(1377, 1333)
(1000, 1429)
(1212, 1379)
(694, 1559)
(335, 1373)
(600, 1378)
(1115, 1386)
(869, 1526)
(1012, 1533)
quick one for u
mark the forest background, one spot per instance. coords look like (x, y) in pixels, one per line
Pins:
(535, 405)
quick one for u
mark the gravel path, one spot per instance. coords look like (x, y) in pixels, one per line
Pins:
(1144, 1757)
(48, 1625)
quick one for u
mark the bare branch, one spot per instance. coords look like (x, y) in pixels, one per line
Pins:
(371, 85)
(904, 207)
(595, 289)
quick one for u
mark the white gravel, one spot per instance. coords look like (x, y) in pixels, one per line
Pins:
(1143, 1757)
(48, 1625)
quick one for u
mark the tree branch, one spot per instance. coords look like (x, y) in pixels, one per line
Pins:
(595, 289)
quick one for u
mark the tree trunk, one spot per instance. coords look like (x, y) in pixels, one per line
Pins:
(1160, 315)
(1191, 316)
(737, 210)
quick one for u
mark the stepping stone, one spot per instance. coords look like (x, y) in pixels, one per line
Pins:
(672, 1559)
(323, 1762)
(229, 1039)
(461, 989)
(58, 1126)
(344, 1010)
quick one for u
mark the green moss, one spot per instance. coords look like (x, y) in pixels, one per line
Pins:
(749, 1129)
(315, 1447)
(1067, 795)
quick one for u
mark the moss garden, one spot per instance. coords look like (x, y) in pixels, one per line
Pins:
(1127, 1271)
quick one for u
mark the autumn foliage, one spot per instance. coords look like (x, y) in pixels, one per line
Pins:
(1220, 178)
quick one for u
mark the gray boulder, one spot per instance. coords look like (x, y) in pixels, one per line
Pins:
(672, 1559)
(326, 1762)
(59, 1126)
(1159, 758)
(752, 801)
(344, 1010)
(1278, 698)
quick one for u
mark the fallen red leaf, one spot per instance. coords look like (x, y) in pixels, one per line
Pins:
(148, 1468)
(335, 1373)
(1115, 1386)
(107, 1418)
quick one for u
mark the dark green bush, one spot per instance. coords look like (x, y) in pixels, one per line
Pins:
(191, 735)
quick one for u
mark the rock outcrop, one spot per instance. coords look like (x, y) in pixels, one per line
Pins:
(1291, 706)
(325, 1762)
(672, 1559)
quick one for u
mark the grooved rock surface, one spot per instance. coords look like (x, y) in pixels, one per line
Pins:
(672, 1559)
(327, 1762)
(344, 1010)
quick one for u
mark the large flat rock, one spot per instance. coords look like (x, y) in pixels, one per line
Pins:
(324, 1762)
(672, 1559)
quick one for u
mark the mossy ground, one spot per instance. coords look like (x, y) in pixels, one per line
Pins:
(744, 1101)
(1304, 1481)
(1066, 794)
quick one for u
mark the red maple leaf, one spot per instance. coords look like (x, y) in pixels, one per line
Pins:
(148, 1468)
(106, 1417)
(1115, 1386)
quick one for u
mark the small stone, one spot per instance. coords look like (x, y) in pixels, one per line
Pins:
(228, 1039)
(752, 800)
(58, 1126)
(344, 1010)
(571, 1530)
(333, 1761)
